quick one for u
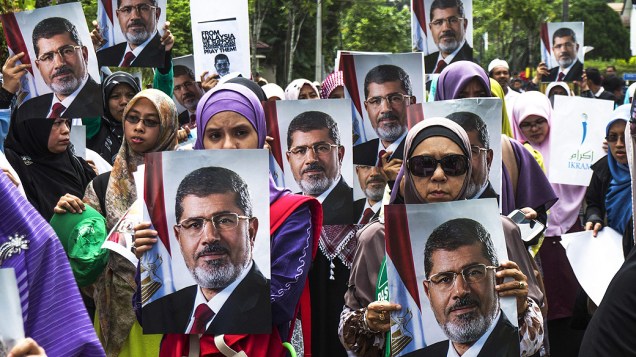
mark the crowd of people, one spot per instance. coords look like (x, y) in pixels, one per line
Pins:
(326, 272)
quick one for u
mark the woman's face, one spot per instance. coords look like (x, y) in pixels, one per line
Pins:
(439, 187)
(307, 92)
(616, 141)
(473, 89)
(118, 99)
(229, 130)
(535, 128)
(142, 126)
(60, 136)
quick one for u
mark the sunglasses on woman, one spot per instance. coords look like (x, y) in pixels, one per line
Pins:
(425, 166)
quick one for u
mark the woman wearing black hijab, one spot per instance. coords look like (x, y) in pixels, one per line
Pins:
(39, 151)
(117, 90)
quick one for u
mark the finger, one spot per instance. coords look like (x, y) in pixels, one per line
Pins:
(77, 207)
(142, 225)
(597, 227)
(13, 59)
(141, 242)
(26, 346)
(145, 233)
(204, 76)
(384, 306)
(588, 226)
(58, 210)
(166, 26)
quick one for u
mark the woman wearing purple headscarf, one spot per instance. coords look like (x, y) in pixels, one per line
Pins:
(231, 117)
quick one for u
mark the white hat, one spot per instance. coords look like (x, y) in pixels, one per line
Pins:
(497, 63)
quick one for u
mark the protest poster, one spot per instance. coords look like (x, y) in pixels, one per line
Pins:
(594, 260)
(429, 247)
(562, 50)
(64, 77)
(473, 112)
(220, 37)
(134, 27)
(12, 326)
(211, 211)
(578, 130)
(404, 70)
(187, 61)
(436, 29)
(315, 146)
(78, 139)
(121, 238)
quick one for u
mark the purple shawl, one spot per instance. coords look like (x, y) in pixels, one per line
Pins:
(533, 187)
(455, 77)
(52, 308)
(235, 98)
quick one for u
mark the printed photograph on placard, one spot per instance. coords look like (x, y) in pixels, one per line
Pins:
(373, 81)
(316, 153)
(12, 327)
(220, 38)
(443, 31)
(63, 80)
(121, 238)
(186, 93)
(209, 271)
(562, 51)
(584, 120)
(481, 118)
(131, 32)
(441, 264)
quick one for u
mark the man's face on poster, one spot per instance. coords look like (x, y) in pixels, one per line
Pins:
(448, 29)
(138, 20)
(315, 160)
(463, 310)
(218, 248)
(481, 159)
(222, 66)
(187, 92)
(565, 50)
(372, 181)
(387, 112)
(62, 63)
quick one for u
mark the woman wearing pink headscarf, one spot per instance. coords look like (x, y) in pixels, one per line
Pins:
(532, 117)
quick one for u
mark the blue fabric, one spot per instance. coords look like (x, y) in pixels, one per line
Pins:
(619, 194)
(5, 118)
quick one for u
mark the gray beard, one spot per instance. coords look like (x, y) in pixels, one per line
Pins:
(565, 63)
(448, 47)
(219, 274)
(470, 327)
(315, 186)
(66, 87)
(137, 38)
(390, 133)
(374, 194)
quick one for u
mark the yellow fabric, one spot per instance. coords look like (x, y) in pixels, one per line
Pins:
(137, 343)
(537, 155)
(497, 91)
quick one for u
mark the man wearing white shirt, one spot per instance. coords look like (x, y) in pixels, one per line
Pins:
(565, 50)
(62, 61)
(315, 158)
(448, 28)
(216, 231)
(142, 48)
(460, 264)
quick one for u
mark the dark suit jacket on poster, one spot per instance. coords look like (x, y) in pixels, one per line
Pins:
(87, 103)
(464, 54)
(338, 206)
(502, 342)
(184, 118)
(367, 152)
(574, 75)
(150, 56)
(246, 311)
(358, 209)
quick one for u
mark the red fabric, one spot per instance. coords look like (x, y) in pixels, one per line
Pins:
(15, 41)
(366, 216)
(396, 225)
(57, 110)
(380, 154)
(202, 314)
(561, 76)
(128, 58)
(348, 68)
(440, 66)
(265, 345)
(271, 116)
(153, 196)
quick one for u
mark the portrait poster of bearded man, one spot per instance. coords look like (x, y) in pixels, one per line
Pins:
(132, 31)
(54, 56)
